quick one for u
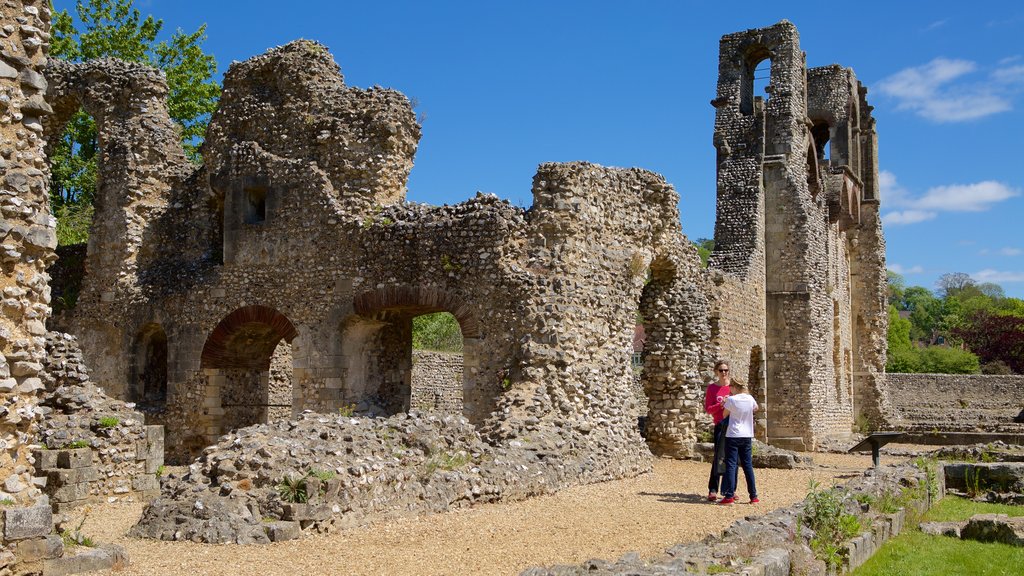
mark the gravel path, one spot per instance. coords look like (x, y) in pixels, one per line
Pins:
(645, 514)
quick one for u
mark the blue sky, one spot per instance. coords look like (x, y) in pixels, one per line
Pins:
(504, 86)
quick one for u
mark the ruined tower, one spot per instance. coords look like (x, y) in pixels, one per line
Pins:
(798, 266)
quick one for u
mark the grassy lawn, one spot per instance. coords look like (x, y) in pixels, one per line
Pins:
(915, 554)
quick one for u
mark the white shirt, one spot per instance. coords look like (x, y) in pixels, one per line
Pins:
(741, 415)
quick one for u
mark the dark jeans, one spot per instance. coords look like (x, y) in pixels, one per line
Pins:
(738, 451)
(717, 469)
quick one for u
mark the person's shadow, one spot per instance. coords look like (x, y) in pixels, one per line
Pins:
(678, 497)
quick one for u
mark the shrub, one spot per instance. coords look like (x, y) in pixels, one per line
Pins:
(826, 515)
(946, 360)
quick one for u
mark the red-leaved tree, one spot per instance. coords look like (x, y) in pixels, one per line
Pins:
(995, 337)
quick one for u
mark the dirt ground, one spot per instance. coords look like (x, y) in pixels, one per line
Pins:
(646, 514)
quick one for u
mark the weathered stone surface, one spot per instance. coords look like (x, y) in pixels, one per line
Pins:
(995, 528)
(123, 452)
(280, 531)
(74, 458)
(798, 270)
(943, 528)
(36, 549)
(21, 523)
(104, 557)
(1002, 477)
(955, 402)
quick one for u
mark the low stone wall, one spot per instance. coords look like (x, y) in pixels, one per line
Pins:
(437, 381)
(956, 402)
(93, 446)
(776, 544)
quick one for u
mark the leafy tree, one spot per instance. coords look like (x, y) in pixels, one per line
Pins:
(897, 288)
(951, 283)
(115, 28)
(996, 338)
(438, 331)
(902, 355)
(705, 246)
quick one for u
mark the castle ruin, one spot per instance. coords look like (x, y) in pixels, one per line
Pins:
(295, 237)
(280, 278)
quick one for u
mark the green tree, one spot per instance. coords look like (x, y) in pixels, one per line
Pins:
(897, 288)
(948, 360)
(115, 28)
(902, 356)
(705, 246)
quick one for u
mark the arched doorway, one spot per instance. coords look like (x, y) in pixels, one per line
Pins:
(376, 363)
(237, 360)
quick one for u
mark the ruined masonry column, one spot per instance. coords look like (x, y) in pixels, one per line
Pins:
(27, 238)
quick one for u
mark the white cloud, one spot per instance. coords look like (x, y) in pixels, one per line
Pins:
(983, 252)
(1008, 251)
(977, 197)
(907, 217)
(997, 276)
(897, 268)
(1009, 74)
(936, 24)
(965, 197)
(936, 90)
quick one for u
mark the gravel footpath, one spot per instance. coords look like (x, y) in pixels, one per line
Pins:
(646, 514)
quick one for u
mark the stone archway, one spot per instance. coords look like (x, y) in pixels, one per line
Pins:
(376, 363)
(236, 361)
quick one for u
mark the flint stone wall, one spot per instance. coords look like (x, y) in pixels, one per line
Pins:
(437, 381)
(122, 455)
(296, 231)
(956, 402)
(27, 242)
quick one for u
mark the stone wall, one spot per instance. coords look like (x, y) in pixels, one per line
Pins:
(93, 447)
(296, 231)
(956, 402)
(437, 381)
(798, 268)
(27, 233)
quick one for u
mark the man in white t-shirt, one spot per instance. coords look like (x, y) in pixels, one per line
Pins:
(739, 439)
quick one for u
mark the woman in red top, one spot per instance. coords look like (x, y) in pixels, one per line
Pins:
(716, 394)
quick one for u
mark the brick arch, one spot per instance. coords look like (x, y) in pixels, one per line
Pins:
(419, 297)
(216, 353)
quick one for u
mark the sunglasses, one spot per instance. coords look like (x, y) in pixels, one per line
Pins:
(723, 370)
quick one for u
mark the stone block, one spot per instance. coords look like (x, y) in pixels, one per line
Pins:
(154, 463)
(281, 530)
(294, 512)
(105, 557)
(71, 492)
(995, 528)
(65, 476)
(36, 549)
(28, 522)
(74, 458)
(145, 483)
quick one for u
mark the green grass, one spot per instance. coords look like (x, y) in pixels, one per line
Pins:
(952, 509)
(914, 553)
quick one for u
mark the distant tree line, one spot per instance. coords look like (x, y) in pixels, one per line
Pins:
(964, 327)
